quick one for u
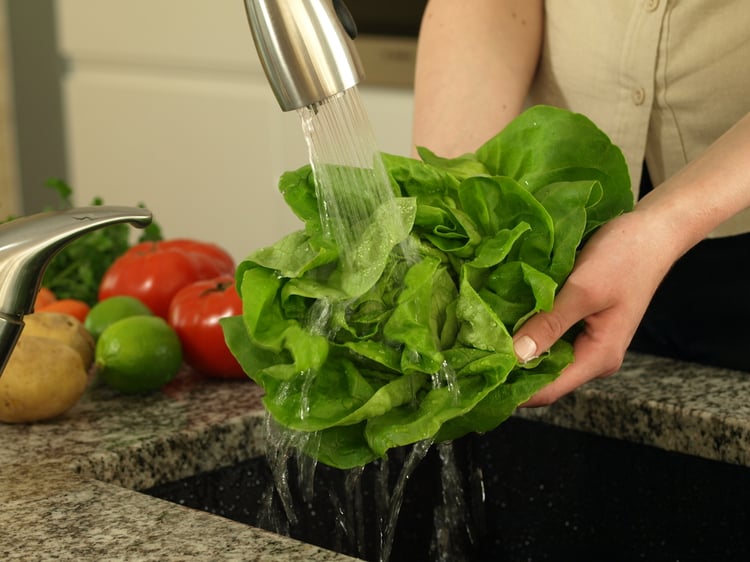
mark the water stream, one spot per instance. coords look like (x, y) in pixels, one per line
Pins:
(359, 509)
(351, 184)
(395, 498)
(350, 178)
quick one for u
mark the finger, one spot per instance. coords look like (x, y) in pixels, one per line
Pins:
(593, 359)
(543, 329)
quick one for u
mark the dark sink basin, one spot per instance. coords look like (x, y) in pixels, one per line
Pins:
(531, 491)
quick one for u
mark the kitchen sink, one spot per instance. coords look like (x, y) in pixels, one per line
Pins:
(530, 491)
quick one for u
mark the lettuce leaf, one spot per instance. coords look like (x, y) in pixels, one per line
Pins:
(397, 350)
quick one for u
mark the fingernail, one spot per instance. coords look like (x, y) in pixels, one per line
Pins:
(525, 348)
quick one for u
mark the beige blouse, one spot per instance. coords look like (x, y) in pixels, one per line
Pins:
(663, 78)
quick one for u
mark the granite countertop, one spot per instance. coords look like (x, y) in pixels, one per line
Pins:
(677, 406)
(68, 487)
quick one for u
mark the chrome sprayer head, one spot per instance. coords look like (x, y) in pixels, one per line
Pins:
(306, 48)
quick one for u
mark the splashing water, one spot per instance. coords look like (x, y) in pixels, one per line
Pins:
(351, 184)
(451, 525)
(446, 376)
(284, 445)
(396, 498)
(351, 181)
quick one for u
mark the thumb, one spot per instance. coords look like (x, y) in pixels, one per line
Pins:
(543, 329)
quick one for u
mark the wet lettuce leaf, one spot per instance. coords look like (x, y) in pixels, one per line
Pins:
(398, 350)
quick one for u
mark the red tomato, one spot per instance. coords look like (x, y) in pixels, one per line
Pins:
(44, 297)
(194, 314)
(217, 258)
(154, 271)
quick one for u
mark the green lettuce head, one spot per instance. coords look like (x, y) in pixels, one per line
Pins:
(414, 342)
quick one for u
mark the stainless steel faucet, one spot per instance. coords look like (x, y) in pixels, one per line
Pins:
(27, 245)
(306, 48)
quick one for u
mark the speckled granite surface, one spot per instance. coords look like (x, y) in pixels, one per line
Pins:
(67, 487)
(681, 407)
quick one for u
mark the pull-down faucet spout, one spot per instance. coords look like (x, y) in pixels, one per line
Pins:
(306, 48)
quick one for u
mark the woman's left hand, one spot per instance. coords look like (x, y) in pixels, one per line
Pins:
(609, 289)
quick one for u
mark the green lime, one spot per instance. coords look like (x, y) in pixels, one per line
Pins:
(110, 310)
(138, 354)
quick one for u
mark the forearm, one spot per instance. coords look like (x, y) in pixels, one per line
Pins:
(705, 193)
(475, 62)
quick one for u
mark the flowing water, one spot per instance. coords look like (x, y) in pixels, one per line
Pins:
(357, 511)
(351, 184)
(395, 499)
(350, 179)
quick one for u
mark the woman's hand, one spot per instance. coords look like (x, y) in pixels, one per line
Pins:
(609, 289)
(620, 267)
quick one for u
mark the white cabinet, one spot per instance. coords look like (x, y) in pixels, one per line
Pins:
(165, 103)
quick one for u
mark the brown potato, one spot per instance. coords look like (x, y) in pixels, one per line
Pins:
(64, 328)
(43, 379)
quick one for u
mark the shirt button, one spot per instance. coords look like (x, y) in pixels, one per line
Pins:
(650, 5)
(639, 96)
